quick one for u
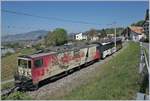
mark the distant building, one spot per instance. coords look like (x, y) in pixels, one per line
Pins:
(110, 35)
(134, 33)
(81, 36)
(146, 23)
(71, 36)
(95, 38)
(4, 51)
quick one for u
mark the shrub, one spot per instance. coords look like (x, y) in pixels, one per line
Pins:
(17, 96)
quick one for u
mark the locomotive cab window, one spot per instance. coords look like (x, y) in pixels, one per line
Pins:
(24, 63)
(38, 63)
(29, 64)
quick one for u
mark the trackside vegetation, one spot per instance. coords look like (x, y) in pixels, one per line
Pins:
(9, 63)
(17, 96)
(116, 79)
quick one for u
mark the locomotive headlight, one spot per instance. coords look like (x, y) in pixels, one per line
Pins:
(20, 70)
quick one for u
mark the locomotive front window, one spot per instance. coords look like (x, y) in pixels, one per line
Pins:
(24, 63)
(38, 63)
(29, 64)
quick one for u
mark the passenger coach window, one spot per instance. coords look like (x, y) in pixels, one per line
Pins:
(38, 63)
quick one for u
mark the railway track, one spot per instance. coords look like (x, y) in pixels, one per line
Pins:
(6, 92)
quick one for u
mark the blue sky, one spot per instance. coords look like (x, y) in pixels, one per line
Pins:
(103, 13)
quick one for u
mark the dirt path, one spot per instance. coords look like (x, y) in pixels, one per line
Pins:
(64, 85)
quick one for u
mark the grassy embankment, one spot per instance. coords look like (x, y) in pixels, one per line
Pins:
(9, 64)
(116, 80)
(147, 53)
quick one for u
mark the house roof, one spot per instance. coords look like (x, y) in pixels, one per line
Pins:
(137, 29)
(80, 33)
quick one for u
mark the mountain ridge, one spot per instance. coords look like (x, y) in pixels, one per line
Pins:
(32, 35)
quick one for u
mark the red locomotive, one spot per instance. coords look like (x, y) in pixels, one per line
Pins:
(36, 67)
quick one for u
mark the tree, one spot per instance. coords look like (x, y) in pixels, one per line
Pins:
(103, 33)
(37, 46)
(48, 38)
(57, 37)
(91, 33)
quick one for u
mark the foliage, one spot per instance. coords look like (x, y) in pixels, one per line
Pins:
(112, 30)
(57, 37)
(139, 23)
(48, 38)
(17, 96)
(117, 79)
(8, 53)
(92, 32)
(9, 63)
(38, 46)
(13, 45)
(103, 32)
(7, 85)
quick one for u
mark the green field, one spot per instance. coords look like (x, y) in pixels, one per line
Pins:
(116, 80)
(9, 63)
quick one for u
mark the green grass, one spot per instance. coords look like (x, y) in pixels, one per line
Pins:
(9, 63)
(17, 96)
(117, 79)
(7, 85)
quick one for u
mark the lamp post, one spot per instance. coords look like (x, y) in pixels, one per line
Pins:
(115, 33)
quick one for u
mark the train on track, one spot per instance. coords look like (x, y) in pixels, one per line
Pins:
(33, 69)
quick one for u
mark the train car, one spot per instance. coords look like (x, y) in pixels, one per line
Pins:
(108, 48)
(118, 44)
(105, 48)
(35, 68)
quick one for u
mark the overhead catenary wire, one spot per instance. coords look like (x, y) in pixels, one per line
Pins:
(48, 18)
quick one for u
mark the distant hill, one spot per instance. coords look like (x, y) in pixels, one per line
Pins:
(33, 35)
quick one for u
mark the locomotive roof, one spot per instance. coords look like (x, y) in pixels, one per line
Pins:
(36, 55)
(41, 54)
(58, 49)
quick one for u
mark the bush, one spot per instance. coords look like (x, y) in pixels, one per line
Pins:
(38, 46)
(17, 96)
(8, 53)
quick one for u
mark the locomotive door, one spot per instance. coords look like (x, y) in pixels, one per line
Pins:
(83, 53)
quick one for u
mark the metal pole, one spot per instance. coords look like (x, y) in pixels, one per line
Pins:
(115, 33)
